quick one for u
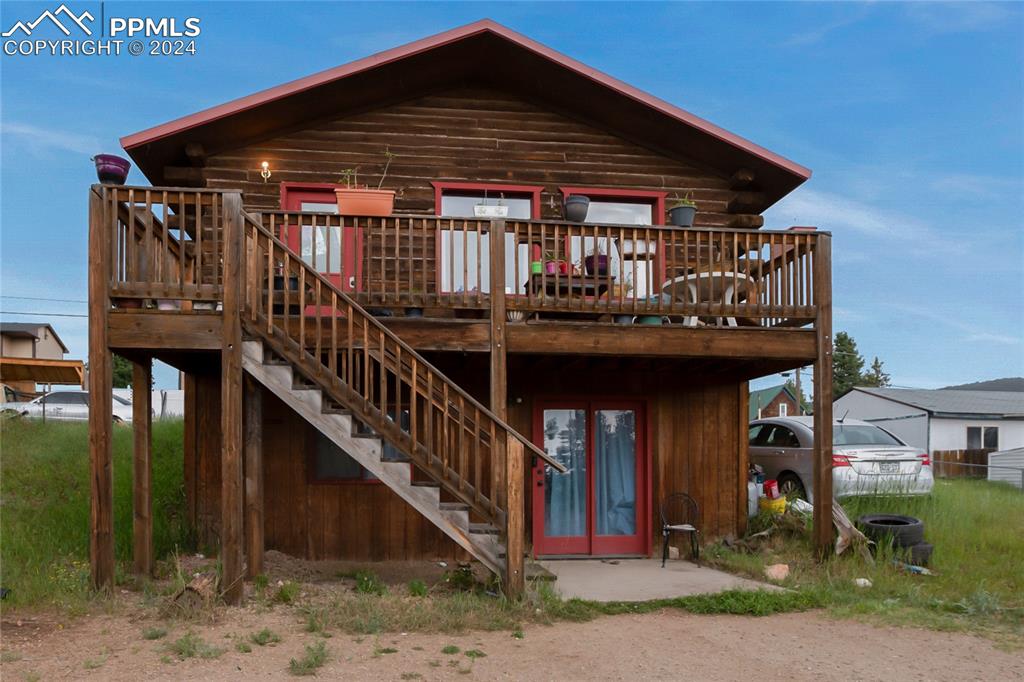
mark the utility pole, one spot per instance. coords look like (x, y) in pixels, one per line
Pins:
(799, 395)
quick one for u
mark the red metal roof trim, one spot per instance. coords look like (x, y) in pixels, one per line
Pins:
(431, 42)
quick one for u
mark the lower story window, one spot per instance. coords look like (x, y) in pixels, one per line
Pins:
(331, 463)
(982, 437)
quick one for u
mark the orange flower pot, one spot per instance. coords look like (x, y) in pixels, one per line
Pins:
(365, 202)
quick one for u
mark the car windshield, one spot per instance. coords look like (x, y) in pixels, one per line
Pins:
(861, 434)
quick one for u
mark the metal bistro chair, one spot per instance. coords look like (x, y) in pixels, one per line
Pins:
(680, 514)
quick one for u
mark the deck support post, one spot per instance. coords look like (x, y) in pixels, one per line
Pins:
(101, 408)
(231, 521)
(142, 466)
(823, 397)
(506, 467)
(253, 437)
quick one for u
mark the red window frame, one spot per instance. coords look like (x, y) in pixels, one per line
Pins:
(440, 186)
(292, 196)
(592, 544)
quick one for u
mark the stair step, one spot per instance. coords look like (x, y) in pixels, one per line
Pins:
(484, 529)
(299, 383)
(453, 506)
(426, 484)
(334, 408)
(397, 459)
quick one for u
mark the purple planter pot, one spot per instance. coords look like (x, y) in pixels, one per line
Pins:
(110, 169)
(601, 264)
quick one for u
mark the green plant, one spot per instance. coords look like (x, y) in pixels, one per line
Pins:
(154, 633)
(450, 649)
(287, 592)
(243, 647)
(192, 645)
(368, 583)
(261, 582)
(382, 650)
(518, 634)
(411, 676)
(475, 653)
(10, 656)
(417, 588)
(461, 579)
(314, 658)
(685, 200)
(265, 637)
(94, 663)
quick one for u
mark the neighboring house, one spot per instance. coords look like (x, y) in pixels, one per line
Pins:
(456, 375)
(941, 419)
(776, 401)
(32, 353)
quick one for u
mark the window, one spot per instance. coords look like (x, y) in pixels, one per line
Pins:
(754, 430)
(465, 255)
(982, 437)
(783, 410)
(622, 207)
(331, 249)
(63, 398)
(862, 434)
(331, 463)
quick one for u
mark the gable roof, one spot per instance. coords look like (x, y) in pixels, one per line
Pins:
(956, 403)
(29, 330)
(481, 52)
(762, 397)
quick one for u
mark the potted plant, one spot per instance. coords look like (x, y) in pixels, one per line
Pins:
(536, 267)
(596, 263)
(354, 200)
(637, 249)
(485, 210)
(555, 266)
(576, 207)
(111, 169)
(682, 212)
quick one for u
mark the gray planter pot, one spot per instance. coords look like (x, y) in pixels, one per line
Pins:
(576, 207)
(682, 216)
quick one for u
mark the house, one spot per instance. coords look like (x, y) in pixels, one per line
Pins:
(774, 401)
(456, 375)
(941, 419)
(32, 353)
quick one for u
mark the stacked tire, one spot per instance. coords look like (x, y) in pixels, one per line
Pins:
(904, 533)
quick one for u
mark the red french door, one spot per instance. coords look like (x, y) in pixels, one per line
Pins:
(335, 252)
(599, 506)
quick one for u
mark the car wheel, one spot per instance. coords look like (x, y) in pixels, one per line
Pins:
(118, 421)
(902, 531)
(790, 486)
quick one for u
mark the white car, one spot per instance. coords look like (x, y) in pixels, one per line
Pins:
(866, 459)
(69, 406)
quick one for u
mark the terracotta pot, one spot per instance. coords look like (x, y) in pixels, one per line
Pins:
(365, 202)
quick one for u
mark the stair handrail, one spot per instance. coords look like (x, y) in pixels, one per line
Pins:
(258, 228)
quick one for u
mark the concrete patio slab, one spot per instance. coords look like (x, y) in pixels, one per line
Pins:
(641, 579)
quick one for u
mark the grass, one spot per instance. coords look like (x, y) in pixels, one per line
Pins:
(977, 529)
(192, 645)
(44, 488)
(287, 592)
(265, 637)
(154, 633)
(314, 658)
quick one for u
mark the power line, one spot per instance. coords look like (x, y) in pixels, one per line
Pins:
(39, 298)
(20, 312)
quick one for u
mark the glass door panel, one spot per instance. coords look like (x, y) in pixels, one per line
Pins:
(615, 472)
(565, 495)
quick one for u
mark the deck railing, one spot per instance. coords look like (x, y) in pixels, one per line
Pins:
(167, 247)
(692, 276)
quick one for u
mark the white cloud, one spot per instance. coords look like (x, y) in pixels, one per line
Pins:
(818, 33)
(987, 337)
(836, 213)
(39, 139)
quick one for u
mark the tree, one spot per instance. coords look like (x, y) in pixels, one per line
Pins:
(875, 376)
(847, 364)
(803, 405)
(122, 372)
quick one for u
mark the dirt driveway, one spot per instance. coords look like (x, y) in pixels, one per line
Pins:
(664, 645)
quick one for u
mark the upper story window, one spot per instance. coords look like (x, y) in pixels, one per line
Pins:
(332, 250)
(464, 263)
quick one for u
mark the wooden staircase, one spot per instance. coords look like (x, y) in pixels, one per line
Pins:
(349, 376)
(366, 447)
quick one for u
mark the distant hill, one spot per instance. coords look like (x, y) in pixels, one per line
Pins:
(1006, 384)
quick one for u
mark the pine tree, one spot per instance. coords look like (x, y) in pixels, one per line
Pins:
(122, 372)
(875, 376)
(847, 364)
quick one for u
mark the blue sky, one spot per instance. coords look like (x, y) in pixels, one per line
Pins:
(910, 115)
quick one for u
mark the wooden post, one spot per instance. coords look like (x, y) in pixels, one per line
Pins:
(189, 446)
(742, 455)
(823, 396)
(142, 467)
(515, 572)
(101, 391)
(231, 404)
(253, 429)
(499, 392)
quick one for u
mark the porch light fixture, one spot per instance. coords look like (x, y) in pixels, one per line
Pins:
(265, 171)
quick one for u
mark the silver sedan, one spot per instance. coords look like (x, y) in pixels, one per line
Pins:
(866, 459)
(69, 406)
